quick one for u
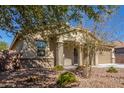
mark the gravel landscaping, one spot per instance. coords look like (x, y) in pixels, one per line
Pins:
(38, 78)
(101, 79)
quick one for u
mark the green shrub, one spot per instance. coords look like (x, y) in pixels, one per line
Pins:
(58, 68)
(112, 70)
(66, 78)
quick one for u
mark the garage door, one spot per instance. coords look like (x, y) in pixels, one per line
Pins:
(104, 57)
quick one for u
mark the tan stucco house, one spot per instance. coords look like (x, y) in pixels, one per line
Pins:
(67, 50)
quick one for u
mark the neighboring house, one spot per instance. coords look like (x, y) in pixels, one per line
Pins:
(67, 50)
(119, 52)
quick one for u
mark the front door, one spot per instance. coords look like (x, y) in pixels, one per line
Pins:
(75, 56)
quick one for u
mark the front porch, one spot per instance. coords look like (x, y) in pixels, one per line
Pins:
(69, 54)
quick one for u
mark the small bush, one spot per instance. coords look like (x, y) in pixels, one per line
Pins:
(80, 68)
(66, 78)
(58, 68)
(112, 70)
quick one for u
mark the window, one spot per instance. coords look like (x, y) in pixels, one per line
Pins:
(41, 45)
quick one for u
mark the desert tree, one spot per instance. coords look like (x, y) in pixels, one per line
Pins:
(50, 21)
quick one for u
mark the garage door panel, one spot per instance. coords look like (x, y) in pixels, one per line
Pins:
(104, 57)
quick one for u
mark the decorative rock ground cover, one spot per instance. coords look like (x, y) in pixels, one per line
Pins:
(47, 78)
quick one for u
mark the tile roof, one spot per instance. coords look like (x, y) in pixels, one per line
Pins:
(119, 44)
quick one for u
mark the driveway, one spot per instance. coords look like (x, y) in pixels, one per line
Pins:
(109, 65)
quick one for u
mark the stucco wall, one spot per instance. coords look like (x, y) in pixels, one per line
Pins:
(37, 63)
(28, 50)
(18, 45)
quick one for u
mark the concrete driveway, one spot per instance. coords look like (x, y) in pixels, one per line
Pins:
(109, 65)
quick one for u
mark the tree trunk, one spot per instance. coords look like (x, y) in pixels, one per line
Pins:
(86, 72)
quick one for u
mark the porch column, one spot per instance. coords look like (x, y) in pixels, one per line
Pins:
(113, 55)
(80, 56)
(96, 58)
(59, 54)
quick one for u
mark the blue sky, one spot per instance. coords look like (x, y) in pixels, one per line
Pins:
(114, 24)
(7, 37)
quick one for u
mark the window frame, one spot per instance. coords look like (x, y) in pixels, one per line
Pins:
(40, 49)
